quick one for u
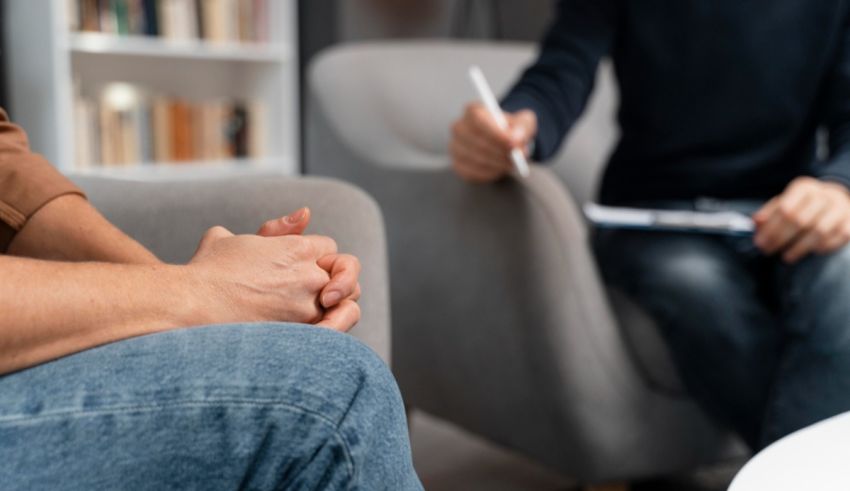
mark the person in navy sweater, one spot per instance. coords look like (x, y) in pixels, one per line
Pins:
(726, 101)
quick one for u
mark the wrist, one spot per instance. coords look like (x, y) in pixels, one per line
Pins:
(192, 298)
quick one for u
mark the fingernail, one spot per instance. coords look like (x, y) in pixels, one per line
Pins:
(519, 134)
(295, 217)
(332, 298)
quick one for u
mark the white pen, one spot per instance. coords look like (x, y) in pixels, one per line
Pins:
(492, 105)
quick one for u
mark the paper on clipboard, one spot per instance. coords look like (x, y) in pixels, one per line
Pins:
(725, 222)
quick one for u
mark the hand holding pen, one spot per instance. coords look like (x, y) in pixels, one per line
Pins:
(488, 144)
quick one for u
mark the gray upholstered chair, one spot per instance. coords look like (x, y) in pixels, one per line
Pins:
(169, 217)
(500, 321)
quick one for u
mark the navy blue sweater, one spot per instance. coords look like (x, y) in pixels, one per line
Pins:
(719, 98)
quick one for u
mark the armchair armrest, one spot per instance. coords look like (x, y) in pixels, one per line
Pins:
(169, 217)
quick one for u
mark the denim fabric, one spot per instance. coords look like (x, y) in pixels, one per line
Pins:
(216, 408)
(763, 346)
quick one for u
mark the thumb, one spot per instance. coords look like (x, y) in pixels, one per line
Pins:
(523, 127)
(293, 224)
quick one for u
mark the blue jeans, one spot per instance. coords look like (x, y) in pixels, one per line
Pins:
(763, 346)
(226, 407)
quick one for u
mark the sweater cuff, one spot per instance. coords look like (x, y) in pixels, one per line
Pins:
(835, 170)
(517, 101)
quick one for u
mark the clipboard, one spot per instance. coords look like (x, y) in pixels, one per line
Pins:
(723, 223)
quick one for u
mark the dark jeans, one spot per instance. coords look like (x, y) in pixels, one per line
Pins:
(763, 346)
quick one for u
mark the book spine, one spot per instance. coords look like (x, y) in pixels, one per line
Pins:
(261, 21)
(106, 14)
(145, 134)
(166, 18)
(89, 15)
(199, 19)
(136, 16)
(122, 17)
(246, 21)
(129, 134)
(209, 19)
(257, 130)
(240, 131)
(74, 12)
(181, 120)
(162, 130)
(82, 131)
(107, 125)
(151, 15)
(231, 20)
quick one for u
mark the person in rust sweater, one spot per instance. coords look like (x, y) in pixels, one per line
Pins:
(100, 388)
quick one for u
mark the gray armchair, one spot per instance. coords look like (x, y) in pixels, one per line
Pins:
(169, 217)
(501, 323)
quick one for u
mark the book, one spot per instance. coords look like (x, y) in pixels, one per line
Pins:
(181, 132)
(213, 20)
(106, 14)
(74, 14)
(162, 131)
(84, 130)
(151, 16)
(127, 125)
(121, 11)
(89, 14)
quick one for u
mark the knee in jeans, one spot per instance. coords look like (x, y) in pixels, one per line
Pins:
(689, 276)
(364, 366)
(827, 276)
(819, 302)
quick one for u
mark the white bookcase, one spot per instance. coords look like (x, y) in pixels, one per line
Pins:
(45, 59)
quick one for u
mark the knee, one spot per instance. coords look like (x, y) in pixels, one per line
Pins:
(368, 384)
(690, 280)
(700, 300)
(362, 363)
(819, 303)
(826, 277)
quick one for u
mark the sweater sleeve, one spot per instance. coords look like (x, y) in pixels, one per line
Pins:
(27, 181)
(836, 114)
(556, 87)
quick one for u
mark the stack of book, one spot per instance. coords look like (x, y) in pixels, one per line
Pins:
(125, 125)
(212, 20)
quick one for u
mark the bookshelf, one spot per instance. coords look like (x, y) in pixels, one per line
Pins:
(52, 67)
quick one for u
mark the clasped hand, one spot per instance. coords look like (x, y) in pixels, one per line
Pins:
(278, 275)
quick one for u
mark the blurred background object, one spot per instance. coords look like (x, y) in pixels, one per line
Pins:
(152, 88)
(324, 23)
(327, 22)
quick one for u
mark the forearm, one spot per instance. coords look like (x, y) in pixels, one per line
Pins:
(556, 87)
(52, 309)
(70, 229)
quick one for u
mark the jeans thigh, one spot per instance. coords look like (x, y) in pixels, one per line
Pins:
(251, 406)
(813, 381)
(706, 297)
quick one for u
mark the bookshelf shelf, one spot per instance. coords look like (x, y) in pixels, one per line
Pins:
(97, 43)
(189, 170)
(243, 85)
